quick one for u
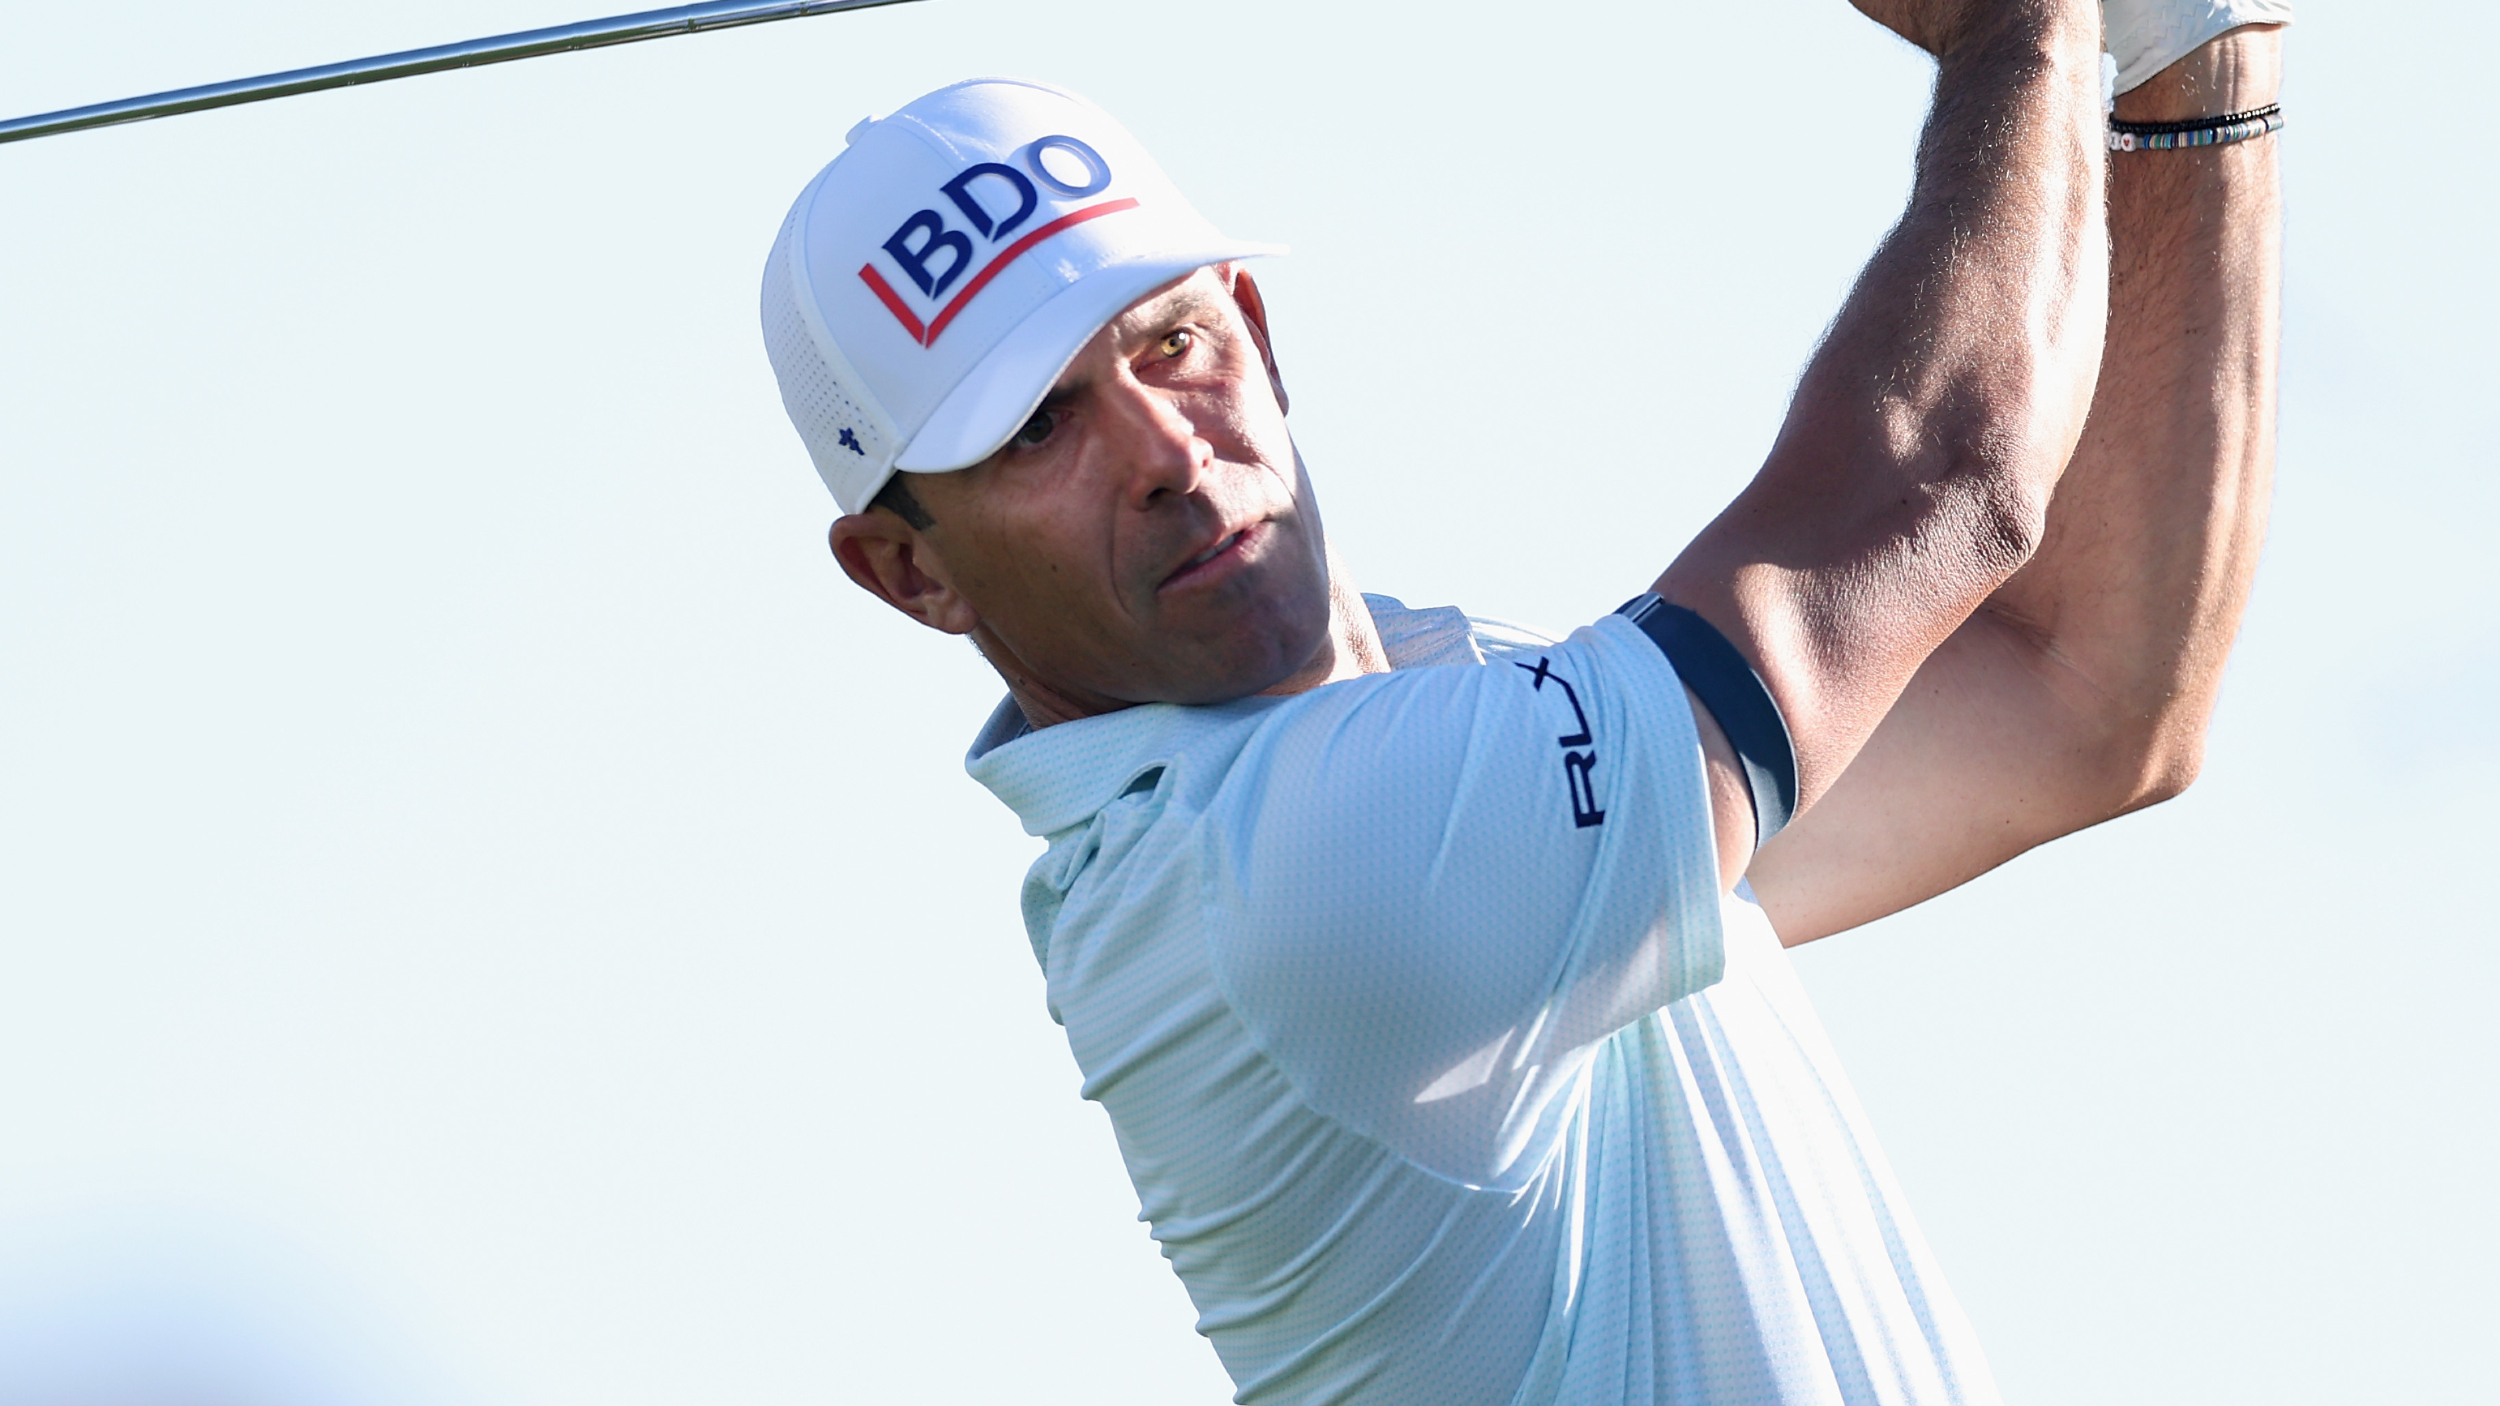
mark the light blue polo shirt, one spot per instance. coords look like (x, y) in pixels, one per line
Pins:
(1444, 1073)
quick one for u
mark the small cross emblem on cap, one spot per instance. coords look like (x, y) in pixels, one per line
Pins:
(850, 442)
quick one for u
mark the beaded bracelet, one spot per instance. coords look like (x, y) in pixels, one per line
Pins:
(2196, 131)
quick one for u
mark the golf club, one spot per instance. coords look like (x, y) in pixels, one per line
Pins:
(501, 48)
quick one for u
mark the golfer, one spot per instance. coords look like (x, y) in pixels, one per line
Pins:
(1430, 969)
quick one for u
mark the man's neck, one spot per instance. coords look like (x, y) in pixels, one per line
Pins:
(1351, 649)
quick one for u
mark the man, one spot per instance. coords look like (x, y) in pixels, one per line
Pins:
(1417, 960)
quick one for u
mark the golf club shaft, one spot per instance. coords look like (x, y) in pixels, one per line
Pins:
(501, 48)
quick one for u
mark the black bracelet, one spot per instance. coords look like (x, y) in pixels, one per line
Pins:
(2195, 131)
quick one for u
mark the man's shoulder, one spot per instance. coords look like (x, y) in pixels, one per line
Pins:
(1060, 776)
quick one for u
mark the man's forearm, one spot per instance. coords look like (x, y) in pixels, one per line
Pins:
(2137, 588)
(2081, 689)
(1928, 431)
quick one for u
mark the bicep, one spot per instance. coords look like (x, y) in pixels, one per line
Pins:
(1989, 752)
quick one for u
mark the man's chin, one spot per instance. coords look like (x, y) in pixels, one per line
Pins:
(1275, 661)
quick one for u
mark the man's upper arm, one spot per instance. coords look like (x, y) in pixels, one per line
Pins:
(1912, 475)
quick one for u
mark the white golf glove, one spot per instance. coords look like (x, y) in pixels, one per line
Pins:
(2147, 36)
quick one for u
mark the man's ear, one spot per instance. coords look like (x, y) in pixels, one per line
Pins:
(1245, 290)
(890, 560)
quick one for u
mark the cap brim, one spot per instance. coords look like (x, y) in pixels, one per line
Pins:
(994, 400)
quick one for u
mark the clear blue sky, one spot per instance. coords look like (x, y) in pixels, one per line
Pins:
(486, 909)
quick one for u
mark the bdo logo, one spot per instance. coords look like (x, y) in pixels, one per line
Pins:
(934, 256)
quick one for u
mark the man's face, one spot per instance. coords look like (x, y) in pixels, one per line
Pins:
(1146, 537)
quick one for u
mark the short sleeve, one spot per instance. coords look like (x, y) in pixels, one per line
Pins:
(1433, 892)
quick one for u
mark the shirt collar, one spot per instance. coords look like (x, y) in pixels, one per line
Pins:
(1415, 639)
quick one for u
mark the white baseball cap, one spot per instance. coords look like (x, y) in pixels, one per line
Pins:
(932, 282)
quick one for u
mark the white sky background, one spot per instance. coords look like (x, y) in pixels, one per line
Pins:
(488, 913)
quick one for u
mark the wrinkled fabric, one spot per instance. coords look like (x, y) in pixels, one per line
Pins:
(1443, 1072)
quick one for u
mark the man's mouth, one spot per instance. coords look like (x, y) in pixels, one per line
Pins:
(1210, 553)
(1216, 551)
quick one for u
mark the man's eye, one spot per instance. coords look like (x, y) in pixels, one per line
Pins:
(1038, 428)
(1178, 342)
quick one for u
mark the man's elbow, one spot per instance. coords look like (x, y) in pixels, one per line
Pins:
(2014, 520)
(2125, 745)
(2003, 485)
(2155, 764)
(2168, 776)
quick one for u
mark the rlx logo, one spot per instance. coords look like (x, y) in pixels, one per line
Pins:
(935, 257)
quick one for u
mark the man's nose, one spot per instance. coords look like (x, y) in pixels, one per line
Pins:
(1159, 447)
